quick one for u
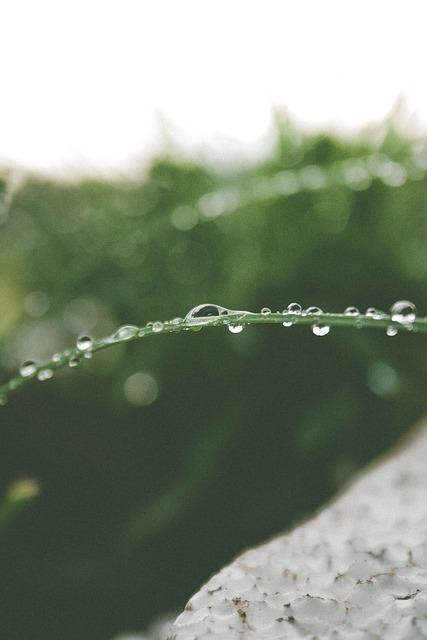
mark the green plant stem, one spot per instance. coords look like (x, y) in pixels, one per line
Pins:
(243, 318)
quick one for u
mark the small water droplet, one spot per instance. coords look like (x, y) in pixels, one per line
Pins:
(28, 369)
(56, 357)
(391, 331)
(75, 362)
(265, 311)
(157, 327)
(88, 355)
(352, 311)
(314, 311)
(176, 321)
(294, 307)
(3, 400)
(403, 312)
(320, 329)
(44, 374)
(235, 328)
(375, 314)
(126, 332)
(287, 323)
(84, 342)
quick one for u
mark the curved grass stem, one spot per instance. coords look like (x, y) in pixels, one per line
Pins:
(196, 320)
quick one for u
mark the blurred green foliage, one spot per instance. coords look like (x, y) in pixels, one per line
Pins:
(145, 493)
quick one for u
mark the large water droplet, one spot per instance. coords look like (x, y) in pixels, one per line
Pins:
(375, 314)
(352, 311)
(265, 311)
(391, 331)
(294, 307)
(403, 312)
(320, 329)
(28, 369)
(206, 311)
(126, 332)
(235, 328)
(44, 374)
(84, 342)
(158, 327)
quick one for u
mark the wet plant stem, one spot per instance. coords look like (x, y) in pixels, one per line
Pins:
(232, 319)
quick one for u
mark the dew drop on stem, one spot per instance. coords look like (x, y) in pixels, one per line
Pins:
(295, 308)
(235, 328)
(73, 363)
(84, 343)
(352, 311)
(157, 327)
(375, 314)
(313, 311)
(28, 369)
(126, 332)
(206, 311)
(320, 329)
(265, 311)
(391, 331)
(403, 312)
(44, 374)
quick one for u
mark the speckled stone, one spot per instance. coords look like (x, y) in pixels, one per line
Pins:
(357, 571)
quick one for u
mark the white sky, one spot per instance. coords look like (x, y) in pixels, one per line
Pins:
(90, 85)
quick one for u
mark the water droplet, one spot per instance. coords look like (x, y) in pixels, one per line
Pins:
(3, 400)
(74, 362)
(320, 329)
(352, 311)
(158, 327)
(56, 357)
(403, 312)
(235, 328)
(391, 331)
(176, 321)
(84, 342)
(88, 355)
(206, 311)
(287, 323)
(294, 307)
(375, 314)
(44, 374)
(313, 311)
(126, 332)
(28, 369)
(265, 311)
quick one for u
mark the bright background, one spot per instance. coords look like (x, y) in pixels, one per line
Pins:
(97, 86)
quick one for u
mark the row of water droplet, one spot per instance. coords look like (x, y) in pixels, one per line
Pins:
(402, 312)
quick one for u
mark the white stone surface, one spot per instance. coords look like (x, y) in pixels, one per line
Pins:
(357, 571)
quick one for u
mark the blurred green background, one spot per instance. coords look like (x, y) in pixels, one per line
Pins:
(127, 483)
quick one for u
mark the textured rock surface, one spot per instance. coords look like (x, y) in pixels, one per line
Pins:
(357, 571)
